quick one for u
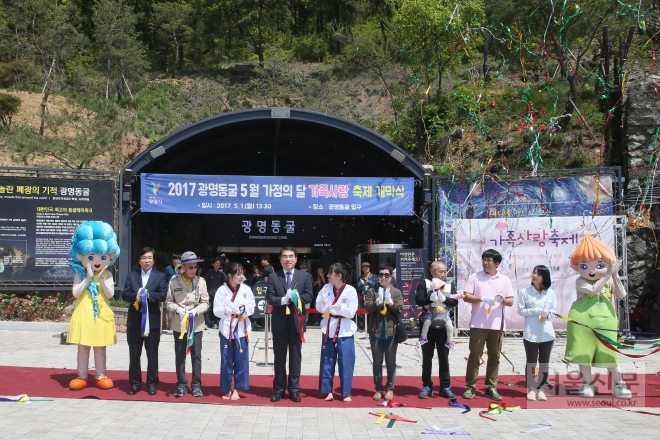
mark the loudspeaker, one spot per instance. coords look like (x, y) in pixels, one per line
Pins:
(127, 177)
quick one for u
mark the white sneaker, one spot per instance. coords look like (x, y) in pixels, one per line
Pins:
(541, 396)
(586, 390)
(531, 395)
(621, 391)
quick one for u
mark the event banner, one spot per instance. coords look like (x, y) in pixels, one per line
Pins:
(525, 243)
(410, 264)
(570, 196)
(197, 194)
(38, 218)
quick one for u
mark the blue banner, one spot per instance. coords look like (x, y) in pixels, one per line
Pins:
(565, 197)
(180, 193)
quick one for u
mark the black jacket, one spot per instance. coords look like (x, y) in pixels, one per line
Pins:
(157, 287)
(302, 282)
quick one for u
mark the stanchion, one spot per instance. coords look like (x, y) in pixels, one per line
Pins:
(267, 326)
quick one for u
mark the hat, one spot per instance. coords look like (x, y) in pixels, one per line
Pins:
(303, 265)
(366, 263)
(190, 257)
(437, 283)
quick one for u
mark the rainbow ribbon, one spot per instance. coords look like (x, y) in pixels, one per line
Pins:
(188, 326)
(496, 408)
(300, 311)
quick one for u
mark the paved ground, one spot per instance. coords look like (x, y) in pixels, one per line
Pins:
(74, 418)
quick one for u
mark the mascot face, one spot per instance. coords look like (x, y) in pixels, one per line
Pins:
(591, 270)
(98, 262)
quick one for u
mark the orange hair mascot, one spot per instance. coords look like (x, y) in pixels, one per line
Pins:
(599, 279)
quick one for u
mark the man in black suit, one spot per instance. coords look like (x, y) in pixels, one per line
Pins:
(287, 326)
(156, 285)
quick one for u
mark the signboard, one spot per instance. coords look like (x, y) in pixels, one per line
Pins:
(410, 269)
(260, 306)
(180, 193)
(525, 243)
(266, 231)
(37, 219)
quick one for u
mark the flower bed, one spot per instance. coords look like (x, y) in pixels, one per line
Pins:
(30, 308)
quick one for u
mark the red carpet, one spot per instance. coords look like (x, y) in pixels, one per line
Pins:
(52, 382)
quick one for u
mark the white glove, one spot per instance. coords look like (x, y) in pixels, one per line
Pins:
(434, 296)
(229, 311)
(487, 300)
(498, 298)
(193, 312)
(90, 272)
(287, 298)
(548, 314)
(180, 311)
(379, 298)
(335, 309)
(388, 298)
(441, 298)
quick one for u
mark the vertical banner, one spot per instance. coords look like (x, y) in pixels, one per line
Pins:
(37, 219)
(410, 271)
(524, 244)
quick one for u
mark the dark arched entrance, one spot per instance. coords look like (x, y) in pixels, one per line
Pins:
(268, 142)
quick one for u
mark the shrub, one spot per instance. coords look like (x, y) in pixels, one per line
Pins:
(28, 308)
(309, 48)
(8, 108)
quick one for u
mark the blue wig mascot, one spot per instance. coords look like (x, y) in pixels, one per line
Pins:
(93, 248)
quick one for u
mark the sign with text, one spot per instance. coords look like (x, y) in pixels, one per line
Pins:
(37, 219)
(524, 244)
(410, 268)
(260, 306)
(182, 193)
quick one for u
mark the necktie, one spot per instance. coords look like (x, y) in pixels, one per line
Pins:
(288, 280)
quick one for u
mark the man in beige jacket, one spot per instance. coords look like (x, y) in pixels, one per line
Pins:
(187, 300)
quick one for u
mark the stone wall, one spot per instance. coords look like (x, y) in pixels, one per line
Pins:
(643, 121)
(121, 314)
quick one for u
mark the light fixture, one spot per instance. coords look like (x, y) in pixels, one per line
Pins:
(399, 156)
(158, 151)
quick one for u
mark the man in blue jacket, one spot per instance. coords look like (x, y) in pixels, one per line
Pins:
(143, 325)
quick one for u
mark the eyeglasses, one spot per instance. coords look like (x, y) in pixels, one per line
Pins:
(384, 275)
(192, 267)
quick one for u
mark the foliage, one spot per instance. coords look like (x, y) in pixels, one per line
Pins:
(119, 303)
(30, 308)
(309, 48)
(8, 108)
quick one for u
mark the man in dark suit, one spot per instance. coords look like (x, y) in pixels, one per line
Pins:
(287, 326)
(155, 283)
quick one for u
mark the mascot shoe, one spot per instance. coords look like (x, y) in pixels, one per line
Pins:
(78, 384)
(104, 383)
(621, 391)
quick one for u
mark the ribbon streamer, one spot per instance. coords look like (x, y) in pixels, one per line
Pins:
(191, 332)
(23, 398)
(144, 323)
(392, 404)
(455, 404)
(300, 311)
(434, 430)
(496, 408)
(542, 426)
(389, 416)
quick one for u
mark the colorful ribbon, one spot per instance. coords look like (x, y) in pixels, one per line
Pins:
(23, 398)
(392, 404)
(300, 311)
(496, 408)
(191, 332)
(144, 324)
(381, 414)
(434, 430)
(455, 404)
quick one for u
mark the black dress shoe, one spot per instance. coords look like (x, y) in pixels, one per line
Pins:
(152, 390)
(294, 396)
(134, 389)
(277, 396)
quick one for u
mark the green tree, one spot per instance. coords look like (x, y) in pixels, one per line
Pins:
(118, 50)
(8, 107)
(262, 21)
(435, 34)
(172, 21)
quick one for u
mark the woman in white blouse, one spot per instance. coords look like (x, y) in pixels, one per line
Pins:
(337, 302)
(233, 304)
(537, 303)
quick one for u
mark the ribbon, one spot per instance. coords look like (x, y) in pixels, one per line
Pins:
(455, 404)
(144, 324)
(392, 404)
(389, 416)
(23, 398)
(612, 344)
(434, 430)
(184, 325)
(300, 311)
(542, 426)
(496, 408)
(191, 332)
